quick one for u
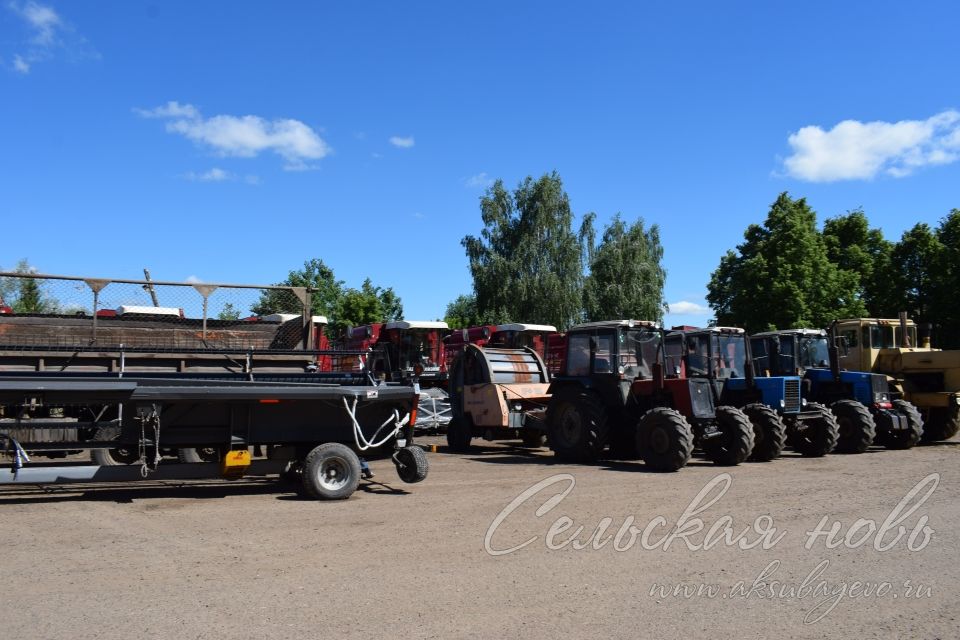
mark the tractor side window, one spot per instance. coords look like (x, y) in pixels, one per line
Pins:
(673, 354)
(761, 360)
(602, 358)
(638, 352)
(578, 355)
(881, 337)
(850, 335)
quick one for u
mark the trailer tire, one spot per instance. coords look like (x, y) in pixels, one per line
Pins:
(736, 444)
(459, 434)
(857, 428)
(331, 471)
(533, 439)
(121, 456)
(942, 423)
(769, 432)
(412, 464)
(190, 455)
(577, 426)
(820, 436)
(664, 439)
(905, 439)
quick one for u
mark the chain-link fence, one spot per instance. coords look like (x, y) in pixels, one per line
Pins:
(73, 312)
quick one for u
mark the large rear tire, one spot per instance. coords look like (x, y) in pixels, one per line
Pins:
(664, 439)
(769, 432)
(735, 444)
(331, 472)
(905, 439)
(857, 429)
(942, 423)
(577, 426)
(819, 435)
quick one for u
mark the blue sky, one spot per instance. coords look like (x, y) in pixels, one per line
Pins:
(232, 141)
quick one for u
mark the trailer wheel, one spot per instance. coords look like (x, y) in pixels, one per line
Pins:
(769, 432)
(199, 454)
(533, 439)
(459, 434)
(857, 429)
(577, 426)
(941, 423)
(910, 437)
(819, 437)
(331, 472)
(117, 457)
(664, 439)
(736, 442)
(412, 464)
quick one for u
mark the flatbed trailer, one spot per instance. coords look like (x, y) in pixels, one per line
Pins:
(208, 391)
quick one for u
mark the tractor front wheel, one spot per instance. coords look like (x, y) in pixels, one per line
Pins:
(816, 436)
(735, 444)
(769, 432)
(857, 429)
(910, 437)
(664, 439)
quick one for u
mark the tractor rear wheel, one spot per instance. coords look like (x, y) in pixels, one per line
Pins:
(857, 429)
(459, 433)
(735, 444)
(910, 437)
(664, 439)
(577, 426)
(819, 434)
(769, 432)
(942, 423)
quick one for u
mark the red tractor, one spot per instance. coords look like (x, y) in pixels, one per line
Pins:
(403, 350)
(612, 390)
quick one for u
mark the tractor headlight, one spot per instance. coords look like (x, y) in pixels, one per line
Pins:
(803, 402)
(783, 403)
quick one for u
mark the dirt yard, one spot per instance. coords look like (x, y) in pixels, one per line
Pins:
(250, 559)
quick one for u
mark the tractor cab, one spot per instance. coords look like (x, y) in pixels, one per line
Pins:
(408, 349)
(518, 335)
(873, 344)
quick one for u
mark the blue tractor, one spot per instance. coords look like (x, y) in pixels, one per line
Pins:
(775, 406)
(867, 410)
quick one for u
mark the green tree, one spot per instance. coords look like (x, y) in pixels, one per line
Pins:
(365, 305)
(527, 264)
(26, 295)
(781, 276)
(945, 306)
(229, 312)
(462, 313)
(863, 252)
(917, 256)
(315, 275)
(626, 275)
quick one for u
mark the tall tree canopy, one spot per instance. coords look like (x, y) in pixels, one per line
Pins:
(27, 295)
(781, 275)
(527, 263)
(365, 305)
(462, 313)
(854, 247)
(626, 276)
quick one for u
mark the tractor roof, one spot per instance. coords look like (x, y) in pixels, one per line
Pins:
(791, 332)
(519, 326)
(416, 324)
(734, 330)
(615, 324)
(882, 321)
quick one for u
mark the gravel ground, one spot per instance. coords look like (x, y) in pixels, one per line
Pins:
(250, 559)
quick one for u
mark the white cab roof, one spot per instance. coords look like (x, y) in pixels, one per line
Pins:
(416, 324)
(152, 311)
(519, 326)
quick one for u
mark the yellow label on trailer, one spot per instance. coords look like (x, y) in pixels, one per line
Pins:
(235, 464)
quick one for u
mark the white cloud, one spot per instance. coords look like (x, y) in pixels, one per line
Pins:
(479, 180)
(213, 175)
(252, 179)
(418, 215)
(243, 136)
(854, 150)
(46, 33)
(403, 143)
(194, 280)
(689, 308)
(21, 65)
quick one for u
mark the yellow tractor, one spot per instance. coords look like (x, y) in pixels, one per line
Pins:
(927, 377)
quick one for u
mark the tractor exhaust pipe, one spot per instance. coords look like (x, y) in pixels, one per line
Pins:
(904, 340)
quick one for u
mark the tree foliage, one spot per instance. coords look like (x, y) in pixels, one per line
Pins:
(626, 275)
(26, 295)
(781, 275)
(462, 313)
(365, 305)
(856, 248)
(527, 263)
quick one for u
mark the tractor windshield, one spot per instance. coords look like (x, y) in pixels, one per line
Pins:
(729, 355)
(638, 352)
(814, 352)
(697, 354)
